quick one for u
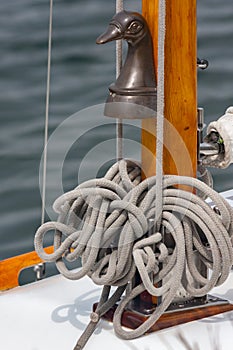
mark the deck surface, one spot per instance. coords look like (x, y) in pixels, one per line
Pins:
(51, 314)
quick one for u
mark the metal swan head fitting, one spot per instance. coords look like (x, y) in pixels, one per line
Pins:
(126, 25)
(133, 95)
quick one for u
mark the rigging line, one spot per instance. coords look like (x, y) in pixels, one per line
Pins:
(119, 124)
(160, 111)
(45, 153)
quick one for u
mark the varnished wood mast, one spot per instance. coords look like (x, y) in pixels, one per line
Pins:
(180, 111)
(180, 151)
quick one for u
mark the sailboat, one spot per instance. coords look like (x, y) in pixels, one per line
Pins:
(54, 312)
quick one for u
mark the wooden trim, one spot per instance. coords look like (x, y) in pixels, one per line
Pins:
(180, 130)
(10, 268)
(133, 320)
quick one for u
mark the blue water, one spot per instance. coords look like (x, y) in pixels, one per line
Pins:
(81, 72)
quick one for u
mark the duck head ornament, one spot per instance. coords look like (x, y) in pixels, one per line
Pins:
(133, 95)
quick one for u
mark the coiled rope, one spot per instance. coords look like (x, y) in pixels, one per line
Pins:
(106, 222)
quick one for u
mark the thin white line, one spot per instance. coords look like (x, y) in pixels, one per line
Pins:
(160, 110)
(47, 113)
(119, 124)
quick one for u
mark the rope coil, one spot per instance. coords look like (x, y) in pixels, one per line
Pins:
(106, 222)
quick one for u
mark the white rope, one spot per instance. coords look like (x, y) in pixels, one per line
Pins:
(106, 221)
(119, 8)
(119, 124)
(160, 110)
(47, 114)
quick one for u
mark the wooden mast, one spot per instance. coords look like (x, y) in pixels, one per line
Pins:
(180, 110)
(180, 130)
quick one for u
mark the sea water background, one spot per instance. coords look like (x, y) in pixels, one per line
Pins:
(81, 72)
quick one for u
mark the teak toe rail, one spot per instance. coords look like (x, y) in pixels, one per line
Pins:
(10, 268)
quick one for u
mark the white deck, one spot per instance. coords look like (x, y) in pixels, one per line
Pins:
(51, 314)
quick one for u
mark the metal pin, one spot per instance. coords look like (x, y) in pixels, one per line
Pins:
(202, 63)
(39, 271)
